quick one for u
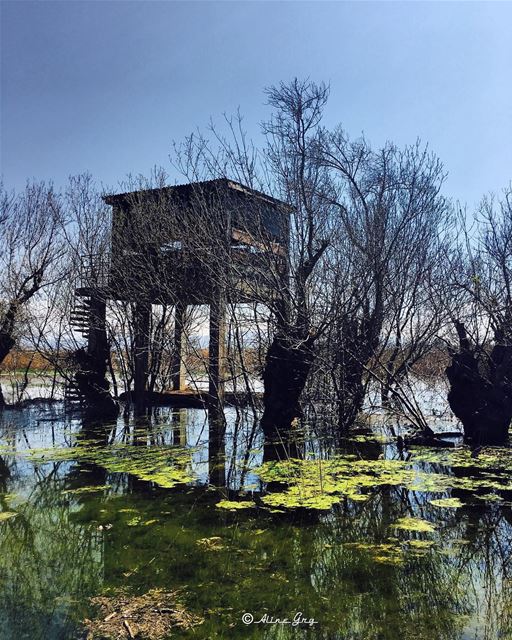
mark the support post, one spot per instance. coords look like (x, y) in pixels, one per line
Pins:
(97, 345)
(216, 353)
(179, 423)
(142, 315)
(178, 363)
(216, 449)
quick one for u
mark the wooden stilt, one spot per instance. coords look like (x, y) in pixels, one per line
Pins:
(97, 346)
(142, 315)
(216, 448)
(178, 362)
(216, 353)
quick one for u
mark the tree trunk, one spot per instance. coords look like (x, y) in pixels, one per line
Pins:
(288, 364)
(481, 390)
(6, 344)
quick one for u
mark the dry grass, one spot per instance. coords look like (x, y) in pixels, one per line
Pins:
(152, 616)
(20, 360)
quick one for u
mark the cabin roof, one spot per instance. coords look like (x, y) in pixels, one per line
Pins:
(209, 185)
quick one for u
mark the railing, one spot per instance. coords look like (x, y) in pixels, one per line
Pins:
(94, 271)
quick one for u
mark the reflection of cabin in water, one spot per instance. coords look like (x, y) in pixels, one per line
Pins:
(202, 243)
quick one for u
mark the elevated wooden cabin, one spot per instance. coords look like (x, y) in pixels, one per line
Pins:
(192, 244)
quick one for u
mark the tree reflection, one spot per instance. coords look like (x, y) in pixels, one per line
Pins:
(348, 568)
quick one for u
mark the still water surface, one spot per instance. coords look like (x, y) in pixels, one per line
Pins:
(137, 504)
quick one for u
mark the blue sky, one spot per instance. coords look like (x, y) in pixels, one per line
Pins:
(106, 86)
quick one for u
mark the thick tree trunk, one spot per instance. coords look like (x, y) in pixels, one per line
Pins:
(357, 341)
(481, 391)
(351, 401)
(6, 344)
(288, 364)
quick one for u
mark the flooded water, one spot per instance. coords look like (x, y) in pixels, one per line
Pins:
(359, 541)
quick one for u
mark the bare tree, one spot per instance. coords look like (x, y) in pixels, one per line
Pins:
(364, 236)
(294, 137)
(391, 219)
(31, 224)
(480, 373)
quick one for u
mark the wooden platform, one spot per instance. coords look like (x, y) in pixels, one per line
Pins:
(193, 398)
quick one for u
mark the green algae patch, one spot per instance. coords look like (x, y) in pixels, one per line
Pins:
(138, 521)
(148, 523)
(489, 497)
(91, 489)
(384, 553)
(234, 505)
(374, 438)
(393, 551)
(7, 515)
(421, 544)
(300, 498)
(319, 484)
(165, 466)
(409, 523)
(497, 460)
(447, 503)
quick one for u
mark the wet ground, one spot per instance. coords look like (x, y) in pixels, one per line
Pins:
(357, 540)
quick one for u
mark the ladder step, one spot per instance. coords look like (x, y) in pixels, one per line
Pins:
(80, 317)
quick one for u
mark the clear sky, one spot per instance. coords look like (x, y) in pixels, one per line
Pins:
(106, 86)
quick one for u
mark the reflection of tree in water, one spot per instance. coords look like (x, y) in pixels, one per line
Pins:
(48, 563)
(348, 568)
(428, 594)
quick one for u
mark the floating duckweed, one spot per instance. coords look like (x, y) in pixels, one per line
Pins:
(408, 523)
(233, 505)
(379, 438)
(450, 503)
(165, 466)
(489, 497)
(489, 458)
(421, 544)
(91, 489)
(384, 553)
(318, 484)
(294, 498)
(7, 515)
